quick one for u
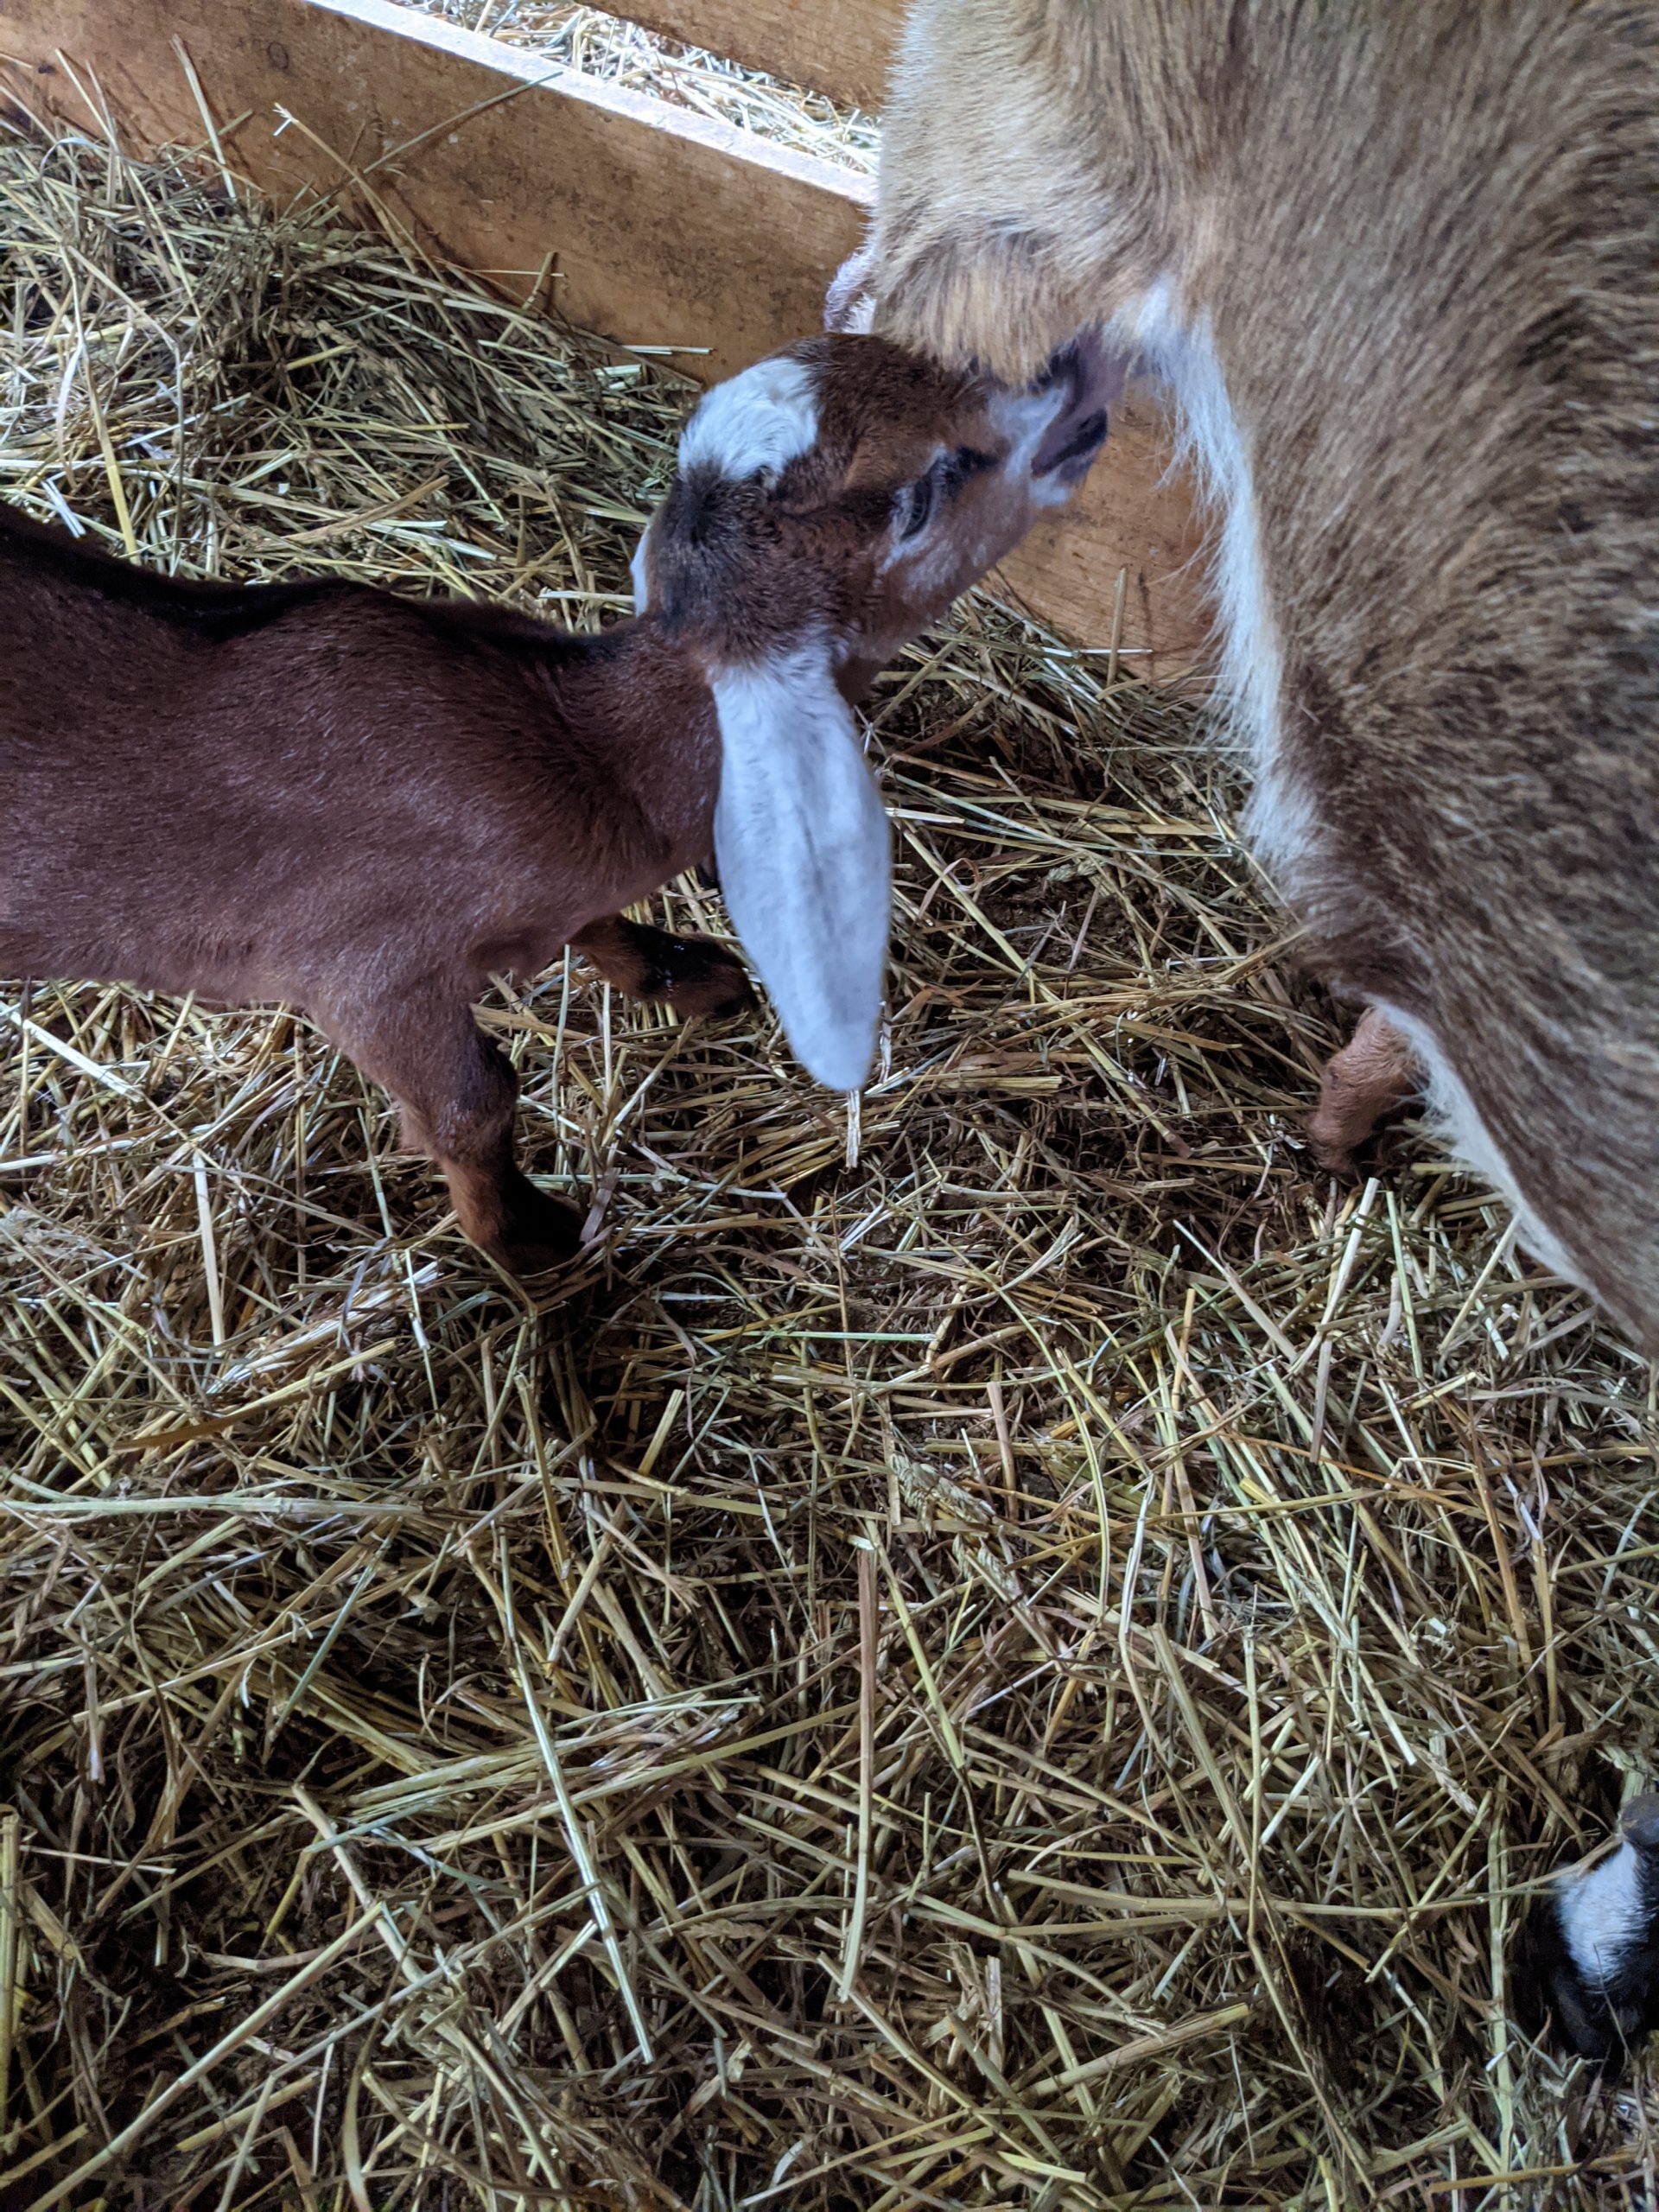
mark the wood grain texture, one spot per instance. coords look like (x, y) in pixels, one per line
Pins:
(647, 223)
(663, 227)
(840, 46)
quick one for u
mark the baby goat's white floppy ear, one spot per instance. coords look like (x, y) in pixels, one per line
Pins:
(802, 845)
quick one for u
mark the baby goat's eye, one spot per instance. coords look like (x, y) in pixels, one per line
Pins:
(915, 503)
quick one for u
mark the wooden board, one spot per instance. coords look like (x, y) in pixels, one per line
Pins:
(840, 46)
(648, 223)
(663, 227)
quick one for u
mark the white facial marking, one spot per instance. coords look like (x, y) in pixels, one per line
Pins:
(762, 418)
(1025, 418)
(1602, 1913)
(637, 571)
(927, 566)
(802, 844)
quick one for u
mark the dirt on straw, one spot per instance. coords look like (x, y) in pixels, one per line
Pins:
(1015, 1648)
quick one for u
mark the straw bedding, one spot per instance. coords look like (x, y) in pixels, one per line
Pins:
(1013, 1648)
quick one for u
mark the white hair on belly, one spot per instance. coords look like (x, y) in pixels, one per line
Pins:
(1456, 1120)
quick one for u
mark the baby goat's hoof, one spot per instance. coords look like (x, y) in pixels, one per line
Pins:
(539, 1234)
(710, 981)
(691, 973)
(1588, 1963)
(694, 975)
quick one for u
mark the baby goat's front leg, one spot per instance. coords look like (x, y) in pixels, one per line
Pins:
(457, 1092)
(694, 975)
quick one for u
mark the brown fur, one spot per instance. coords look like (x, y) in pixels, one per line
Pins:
(357, 804)
(1420, 240)
(691, 973)
(363, 805)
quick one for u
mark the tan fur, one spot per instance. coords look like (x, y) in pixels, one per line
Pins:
(1399, 262)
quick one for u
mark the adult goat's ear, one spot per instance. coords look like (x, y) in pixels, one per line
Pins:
(802, 844)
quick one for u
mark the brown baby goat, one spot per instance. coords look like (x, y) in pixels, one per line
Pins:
(363, 805)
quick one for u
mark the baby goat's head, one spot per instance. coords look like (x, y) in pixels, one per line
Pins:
(831, 502)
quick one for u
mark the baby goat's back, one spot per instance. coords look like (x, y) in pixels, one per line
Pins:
(242, 791)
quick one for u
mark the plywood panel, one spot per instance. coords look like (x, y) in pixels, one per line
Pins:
(840, 46)
(663, 227)
(649, 224)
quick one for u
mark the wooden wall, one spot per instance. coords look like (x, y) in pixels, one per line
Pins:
(840, 46)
